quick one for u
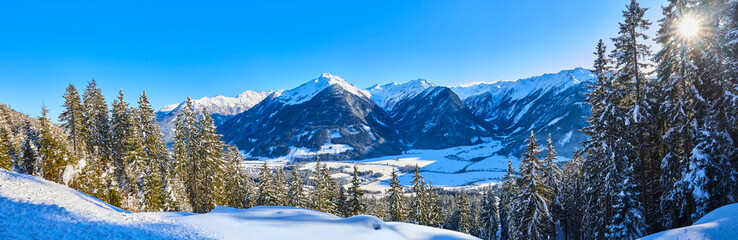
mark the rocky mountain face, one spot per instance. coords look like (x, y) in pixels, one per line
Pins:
(330, 118)
(436, 118)
(221, 108)
(548, 104)
(325, 117)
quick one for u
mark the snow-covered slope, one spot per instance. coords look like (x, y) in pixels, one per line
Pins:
(550, 103)
(308, 90)
(388, 95)
(721, 223)
(33, 208)
(220, 107)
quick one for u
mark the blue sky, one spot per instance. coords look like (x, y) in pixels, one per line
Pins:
(175, 49)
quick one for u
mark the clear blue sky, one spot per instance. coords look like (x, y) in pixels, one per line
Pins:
(173, 49)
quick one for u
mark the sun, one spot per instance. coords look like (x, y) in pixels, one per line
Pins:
(689, 26)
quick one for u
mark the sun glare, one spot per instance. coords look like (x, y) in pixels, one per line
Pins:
(689, 27)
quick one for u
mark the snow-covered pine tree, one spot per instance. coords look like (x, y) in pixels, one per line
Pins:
(531, 204)
(356, 204)
(280, 188)
(435, 212)
(297, 196)
(324, 191)
(510, 189)
(52, 153)
(156, 158)
(463, 212)
(71, 119)
(267, 191)
(572, 197)
(397, 202)
(252, 193)
(489, 216)
(419, 201)
(96, 126)
(9, 152)
(208, 166)
(633, 90)
(552, 179)
(28, 162)
(234, 187)
(341, 200)
(185, 153)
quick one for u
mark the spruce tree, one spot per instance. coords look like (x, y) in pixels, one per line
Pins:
(435, 212)
(397, 202)
(28, 162)
(489, 217)
(52, 154)
(356, 204)
(71, 119)
(185, 153)
(531, 204)
(280, 188)
(464, 213)
(96, 126)
(325, 191)
(8, 155)
(156, 157)
(235, 190)
(508, 218)
(297, 196)
(267, 191)
(419, 201)
(552, 179)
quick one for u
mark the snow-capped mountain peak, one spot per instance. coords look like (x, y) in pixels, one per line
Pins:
(386, 96)
(308, 90)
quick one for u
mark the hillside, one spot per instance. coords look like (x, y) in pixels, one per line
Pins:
(33, 208)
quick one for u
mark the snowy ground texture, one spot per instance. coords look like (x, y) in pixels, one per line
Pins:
(33, 208)
(721, 223)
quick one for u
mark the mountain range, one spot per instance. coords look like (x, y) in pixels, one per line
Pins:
(333, 119)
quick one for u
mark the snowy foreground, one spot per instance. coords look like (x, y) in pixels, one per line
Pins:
(33, 208)
(721, 223)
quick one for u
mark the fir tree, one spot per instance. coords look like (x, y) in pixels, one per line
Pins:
(356, 205)
(235, 190)
(419, 201)
(510, 189)
(267, 191)
(490, 215)
(325, 192)
(532, 203)
(156, 157)
(71, 119)
(96, 126)
(52, 154)
(464, 213)
(397, 207)
(552, 179)
(297, 196)
(185, 153)
(8, 155)
(280, 188)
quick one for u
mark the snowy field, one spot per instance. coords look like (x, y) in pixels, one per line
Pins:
(721, 223)
(465, 166)
(33, 208)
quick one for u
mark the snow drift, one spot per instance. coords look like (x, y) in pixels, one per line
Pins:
(721, 223)
(33, 208)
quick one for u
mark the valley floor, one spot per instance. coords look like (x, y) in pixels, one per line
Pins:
(33, 208)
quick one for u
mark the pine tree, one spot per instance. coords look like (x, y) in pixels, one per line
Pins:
(552, 179)
(280, 188)
(532, 203)
(341, 201)
(297, 196)
(397, 207)
(508, 218)
(356, 205)
(71, 119)
(252, 193)
(267, 191)
(185, 153)
(208, 166)
(8, 155)
(52, 154)
(572, 197)
(419, 201)
(235, 191)
(490, 215)
(435, 212)
(325, 190)
(96, 126)
(28, 162)
(464, 213)
(156, 157)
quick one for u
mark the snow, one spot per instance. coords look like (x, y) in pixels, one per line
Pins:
(308, 90)
(386, 96)
(519, 89)
(721, 223)
(33, 208)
